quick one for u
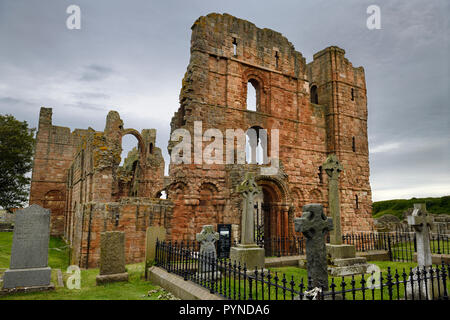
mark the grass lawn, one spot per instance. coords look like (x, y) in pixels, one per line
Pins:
(135, 289)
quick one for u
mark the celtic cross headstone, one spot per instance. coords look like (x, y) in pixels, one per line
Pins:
(333, 168)
(314, 225)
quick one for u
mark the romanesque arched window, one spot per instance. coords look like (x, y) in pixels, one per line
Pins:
(256, 146)
(253, 95)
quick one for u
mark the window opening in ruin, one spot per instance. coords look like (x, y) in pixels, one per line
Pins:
(356, 201)
(320, 175)
(256, 146)
(252, 95)
(277, 58)
(314, 95)
(130, 151)
(162, 194)
(151, 148)
(353, 144)
(353, 95)
(234, 47)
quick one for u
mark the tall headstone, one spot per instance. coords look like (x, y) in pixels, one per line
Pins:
(248, 252)
(421, 222)
(152, 234)
(112, 257)
(333, 168)
(314, 225)
(207, 239)
(29, 252)
(342, 257)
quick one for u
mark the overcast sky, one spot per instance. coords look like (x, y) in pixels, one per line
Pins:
(130, 56)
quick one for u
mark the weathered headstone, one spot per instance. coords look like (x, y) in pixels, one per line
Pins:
(314, 225)
(333, 168)
(152, 234)
(112, 257)
(421, 222)
(29, 252)
(248, 252)
(207, 239)
(224, 243)
(342, 257)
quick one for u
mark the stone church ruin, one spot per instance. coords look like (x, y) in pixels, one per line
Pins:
(319, 108)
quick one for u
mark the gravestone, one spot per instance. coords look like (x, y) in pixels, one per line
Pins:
(248, 252)
(152, 234)
(342, 257)
(224, 243)
(112, 257)
(314, 225)
(29, 252)
(207, 239)
(422, 222)
(333, 168)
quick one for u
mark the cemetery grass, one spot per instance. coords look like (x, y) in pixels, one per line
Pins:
(136, 289)
(407, 248)
(297, 274)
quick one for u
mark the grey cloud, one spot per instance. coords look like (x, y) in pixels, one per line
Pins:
(127, 52)
(95, 73)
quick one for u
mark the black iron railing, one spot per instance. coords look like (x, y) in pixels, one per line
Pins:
(237, 282)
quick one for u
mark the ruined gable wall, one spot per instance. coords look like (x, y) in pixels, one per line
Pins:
(54, 152)
(214, 90)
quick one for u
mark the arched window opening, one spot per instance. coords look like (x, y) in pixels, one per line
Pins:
(314, 95)
(234, 47)
(130, 151)
(252, 95)
(162, 194)
(353, 95)
(353, 144)
(256, 146)
(151, 148)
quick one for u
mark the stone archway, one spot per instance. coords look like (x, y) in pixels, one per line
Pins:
(275, 212)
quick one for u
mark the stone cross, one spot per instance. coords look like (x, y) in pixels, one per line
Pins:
(29, 252)
(422, 222)
(333, 168)
(314, 225)
(249, 190)
(207, 239)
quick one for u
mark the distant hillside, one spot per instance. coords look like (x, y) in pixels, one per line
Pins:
(397, 207)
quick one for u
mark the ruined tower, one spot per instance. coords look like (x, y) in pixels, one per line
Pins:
(319, 108)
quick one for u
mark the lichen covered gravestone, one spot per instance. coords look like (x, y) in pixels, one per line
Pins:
(112, 257)
(421, 222)
(342, 257)
(314, 225)
(208, 255)
(29, 252)
(248, 253)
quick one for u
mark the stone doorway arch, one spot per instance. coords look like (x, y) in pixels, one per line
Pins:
(275, 213)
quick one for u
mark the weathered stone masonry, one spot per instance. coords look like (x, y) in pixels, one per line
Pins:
(319, 108)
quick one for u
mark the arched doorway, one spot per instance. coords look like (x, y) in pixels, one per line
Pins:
(274, 216)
